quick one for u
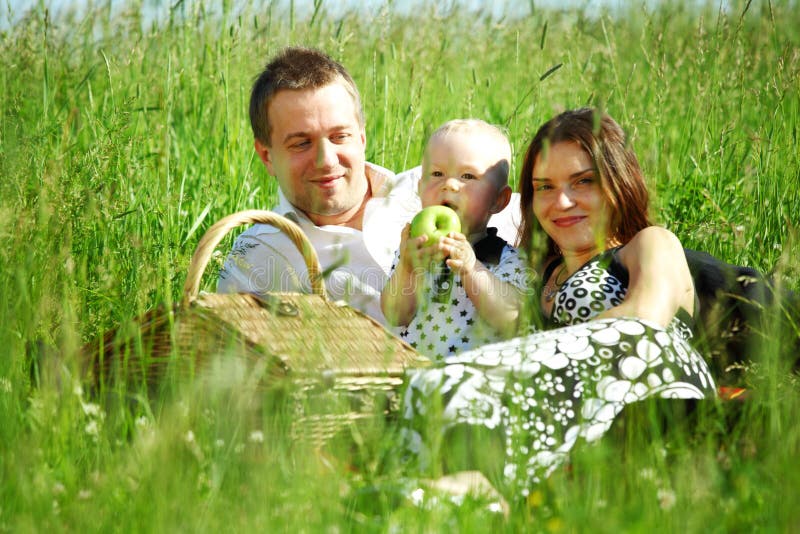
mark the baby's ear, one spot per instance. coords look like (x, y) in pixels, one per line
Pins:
(502, 199)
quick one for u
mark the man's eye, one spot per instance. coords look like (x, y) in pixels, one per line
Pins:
(468, 176)
(300, 145)
(340, 138)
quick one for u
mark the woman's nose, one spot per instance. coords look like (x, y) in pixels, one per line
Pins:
(564, 199)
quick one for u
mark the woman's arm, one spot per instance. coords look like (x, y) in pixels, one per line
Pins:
(659, 279)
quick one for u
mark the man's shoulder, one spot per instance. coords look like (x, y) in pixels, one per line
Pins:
(392, 184)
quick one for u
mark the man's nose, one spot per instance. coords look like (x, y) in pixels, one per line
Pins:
(326, 154)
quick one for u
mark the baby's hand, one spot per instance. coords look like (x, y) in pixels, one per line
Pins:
(414, 254)
(459, 253)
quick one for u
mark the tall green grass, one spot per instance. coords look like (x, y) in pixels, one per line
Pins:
(123, 139)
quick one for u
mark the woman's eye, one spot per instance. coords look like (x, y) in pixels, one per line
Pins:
(586, 180)
(542, 187)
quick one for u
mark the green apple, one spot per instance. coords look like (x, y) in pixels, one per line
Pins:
(435, 222)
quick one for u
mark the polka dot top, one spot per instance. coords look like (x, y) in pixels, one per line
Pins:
(601, 283)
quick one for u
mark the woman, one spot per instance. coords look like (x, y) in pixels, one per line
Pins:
(619, 286)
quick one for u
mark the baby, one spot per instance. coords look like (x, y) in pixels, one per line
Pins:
(475, 297)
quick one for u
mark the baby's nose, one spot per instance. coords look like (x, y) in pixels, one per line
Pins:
(452, 184)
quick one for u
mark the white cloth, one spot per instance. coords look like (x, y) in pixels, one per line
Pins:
(356, 263)
(448, 324)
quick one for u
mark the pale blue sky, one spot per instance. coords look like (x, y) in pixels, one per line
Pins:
(11, 10)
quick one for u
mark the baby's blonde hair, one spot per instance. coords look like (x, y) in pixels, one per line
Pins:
(502, 144)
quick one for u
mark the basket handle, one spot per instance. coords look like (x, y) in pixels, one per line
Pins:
(214, 235)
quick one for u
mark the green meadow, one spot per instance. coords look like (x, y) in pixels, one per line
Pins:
(122, 139)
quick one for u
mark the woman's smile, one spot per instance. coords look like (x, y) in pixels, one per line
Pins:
(566, 222)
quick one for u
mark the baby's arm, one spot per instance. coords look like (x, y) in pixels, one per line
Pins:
(399, 295)
(498, 303)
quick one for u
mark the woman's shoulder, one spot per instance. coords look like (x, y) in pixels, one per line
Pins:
(656, 234)
(653, 240)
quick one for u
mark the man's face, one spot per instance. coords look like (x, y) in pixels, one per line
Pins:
(317, 152)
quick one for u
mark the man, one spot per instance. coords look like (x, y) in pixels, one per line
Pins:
(308, 124)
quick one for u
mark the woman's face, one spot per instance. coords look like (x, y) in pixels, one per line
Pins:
(568, 201)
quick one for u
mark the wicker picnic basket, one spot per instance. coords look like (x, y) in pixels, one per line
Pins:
(329, 353)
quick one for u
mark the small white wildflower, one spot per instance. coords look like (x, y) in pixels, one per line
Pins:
(142, 422)
(257, 436)
(189, 437)
(58, 488)
(648, 473)
(417, 496)
(91, 409)
(219, 443)
(84, 494)
(666, 498)
(77, 390)
(92, 428)
(495, 507)
(5, 385)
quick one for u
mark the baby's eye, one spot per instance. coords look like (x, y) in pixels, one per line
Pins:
(468, 176)
(437, 174)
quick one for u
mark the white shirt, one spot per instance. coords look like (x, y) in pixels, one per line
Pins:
(356, 263)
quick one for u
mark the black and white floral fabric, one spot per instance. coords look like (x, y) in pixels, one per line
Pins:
(543, 392)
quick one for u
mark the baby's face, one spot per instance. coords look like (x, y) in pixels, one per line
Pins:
(461, 171)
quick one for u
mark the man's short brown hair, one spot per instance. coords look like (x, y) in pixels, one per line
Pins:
(296, 68)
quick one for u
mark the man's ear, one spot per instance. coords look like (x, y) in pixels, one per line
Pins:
(263, 152)
(502, 200)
